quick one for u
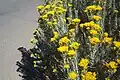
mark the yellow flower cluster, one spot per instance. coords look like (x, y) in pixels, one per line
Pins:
(117, 44)
(72, 75)
(118, 60)
(39, 7)
(74, 45)
(116, 11)
(93, 8)
(71, 31)
(96, 18)
(50, 13)
(105, 34)
(59, 10)
(63, 41)
(75, 20)
(45, 17)
(107, 40)
(54, 70)
(93, 32)
(89, 76)
(66, 66)
(47, 6)
(70, 5)
(112, 65)
(93, 28)
(56, 35)
(91, 25)
(35, 64)
(63, 49)
(63, 44)
(94, 40)
(71, 53)
(84, 63)
(49, 10)
(49, 23)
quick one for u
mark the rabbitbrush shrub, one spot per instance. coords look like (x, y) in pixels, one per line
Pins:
(75, 40)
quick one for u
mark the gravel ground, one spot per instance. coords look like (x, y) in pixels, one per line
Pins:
(17, 22)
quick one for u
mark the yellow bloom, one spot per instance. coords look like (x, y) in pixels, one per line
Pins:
(116, 11)
(70, 5)
(98, 8)
(89, 37)
(96, 17)
(105, 34)
(55, 34)
(47, 7)
(63, 40)
(63, 48)
(93, 8)
(118, 61)
(93, 32)
(53, 5)
(74, 45)
(60, 1)
(71, 30)
(54, 23)
(35, 65)
(71, 53)
(64, 20)
(50, 13)
(55, 20)
(107, 40)
(88, 28)
(117, 44)
(89, 76)
(68, 18)
(52, 39)
(85, 11)
(96, 27)
(59, 10)
(76, 20)
(40, 7)
(81, 25)
(84, 63)
(66, 66)
(72, 75)
(49, 23)
(44, 16)
(54, 70)
(32, 55)
(94, 40)
(92, 25)
(112, 65)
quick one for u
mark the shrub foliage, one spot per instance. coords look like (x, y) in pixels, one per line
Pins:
(75, 40)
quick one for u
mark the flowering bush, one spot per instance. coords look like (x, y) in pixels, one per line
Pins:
(75, 40)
